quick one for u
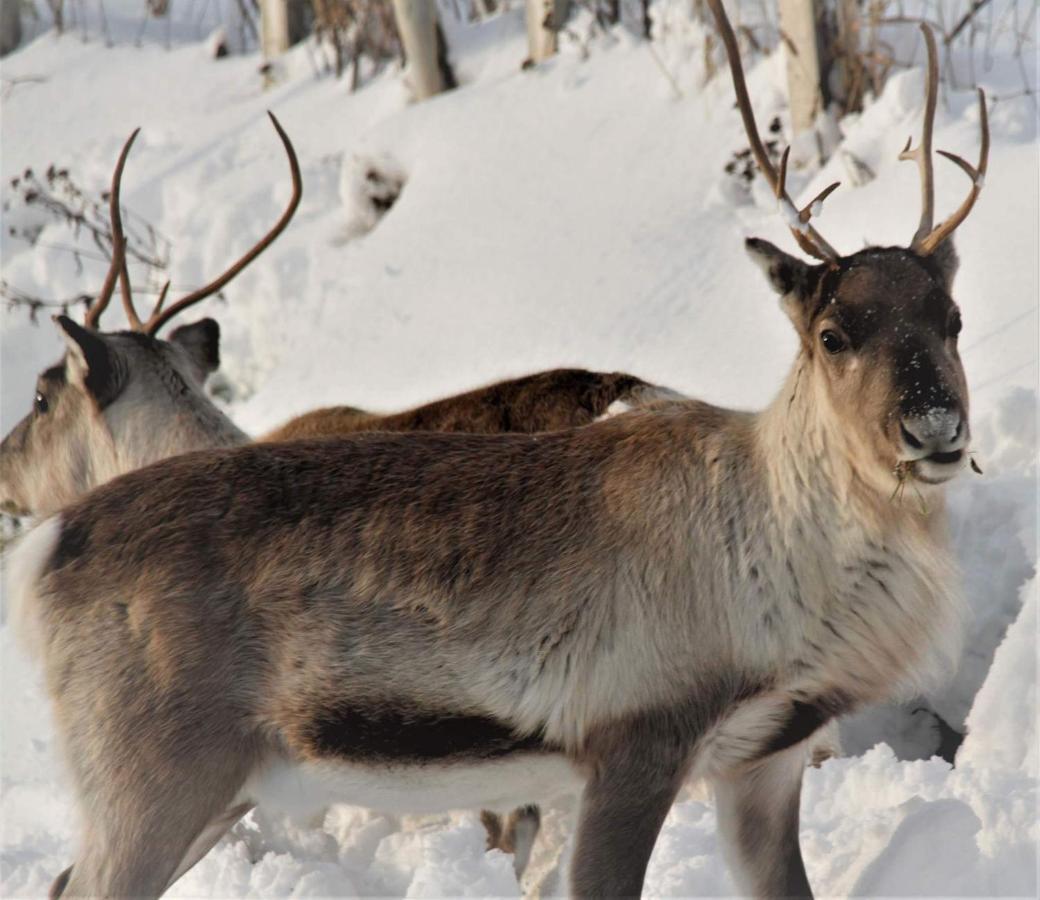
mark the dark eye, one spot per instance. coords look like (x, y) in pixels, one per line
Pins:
(40, 403)
(832, 341)
(953, 328)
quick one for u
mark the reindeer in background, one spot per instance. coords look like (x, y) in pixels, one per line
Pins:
(120, 400)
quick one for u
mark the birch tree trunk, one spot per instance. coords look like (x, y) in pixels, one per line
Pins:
(545, 18)
(417, 26)
(282, 24)
(798, 27)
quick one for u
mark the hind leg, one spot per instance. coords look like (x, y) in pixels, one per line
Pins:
(209, 835)
(521, 828)
(150, 776)
(145, 832)
(515, 835)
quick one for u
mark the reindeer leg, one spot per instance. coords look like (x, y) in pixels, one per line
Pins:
(150, 808)
(521, 829)
(632, 785)
(139, 842)
(492, 823)
(757, 810)
(212, 833)
(209, 836)
(515, 836)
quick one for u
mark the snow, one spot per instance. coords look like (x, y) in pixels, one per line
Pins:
(574, 214)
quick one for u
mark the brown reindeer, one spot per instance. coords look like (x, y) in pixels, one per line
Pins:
(447, 620)
(545, 401)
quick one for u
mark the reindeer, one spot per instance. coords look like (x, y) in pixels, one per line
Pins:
(449, 620)
(120, 400)
(545, 401)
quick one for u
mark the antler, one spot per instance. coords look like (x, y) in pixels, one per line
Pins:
(160, 317)
(923, 154)
(118, 264)
(118, 269)
(928, 238)
(808, 238)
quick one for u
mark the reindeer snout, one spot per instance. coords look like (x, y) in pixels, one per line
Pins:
(938, 435)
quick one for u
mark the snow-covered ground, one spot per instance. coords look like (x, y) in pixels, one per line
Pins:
(574, 214)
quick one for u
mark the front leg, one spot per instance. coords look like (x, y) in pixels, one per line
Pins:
(757, 810)
(636, 771)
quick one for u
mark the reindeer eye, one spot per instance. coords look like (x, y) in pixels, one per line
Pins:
(832, 341)
(954, 326)
(40, 403)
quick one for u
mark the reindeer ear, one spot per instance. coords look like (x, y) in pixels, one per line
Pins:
(201, 342)
(793, 279)
(786, 273)
(90, 363)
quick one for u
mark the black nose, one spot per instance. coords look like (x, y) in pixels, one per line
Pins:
(936, 434)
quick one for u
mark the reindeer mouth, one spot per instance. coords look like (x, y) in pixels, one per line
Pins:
(945, 459)
(936, 468)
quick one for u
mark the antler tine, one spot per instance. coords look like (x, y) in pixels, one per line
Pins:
(807, 237)
(118, 263)
(813, 207)
(160, 317)
(162, 298)
(978, 177)
(923, 154)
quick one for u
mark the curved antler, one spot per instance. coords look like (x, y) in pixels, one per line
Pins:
(160, 317)
(808, 238)
(117, 267)
(928, 238)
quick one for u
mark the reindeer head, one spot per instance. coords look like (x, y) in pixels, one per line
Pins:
(120, 400)
(878, 328)
(114, 402)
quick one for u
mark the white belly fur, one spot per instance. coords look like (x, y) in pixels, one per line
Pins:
(500, 785)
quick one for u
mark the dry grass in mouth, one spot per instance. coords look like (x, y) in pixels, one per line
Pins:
(903, 471)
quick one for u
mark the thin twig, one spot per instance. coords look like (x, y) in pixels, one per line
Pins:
(965, 19)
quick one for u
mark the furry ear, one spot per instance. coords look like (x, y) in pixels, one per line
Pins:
(794, 280)
(90, 362)
(201, 342)
(945, 257)
(786, 273)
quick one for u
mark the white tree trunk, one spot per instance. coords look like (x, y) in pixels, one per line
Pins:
(545, 18)
(10, 25)
(417, 25)
(798, 25)
(274, 27)
(282, 24)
